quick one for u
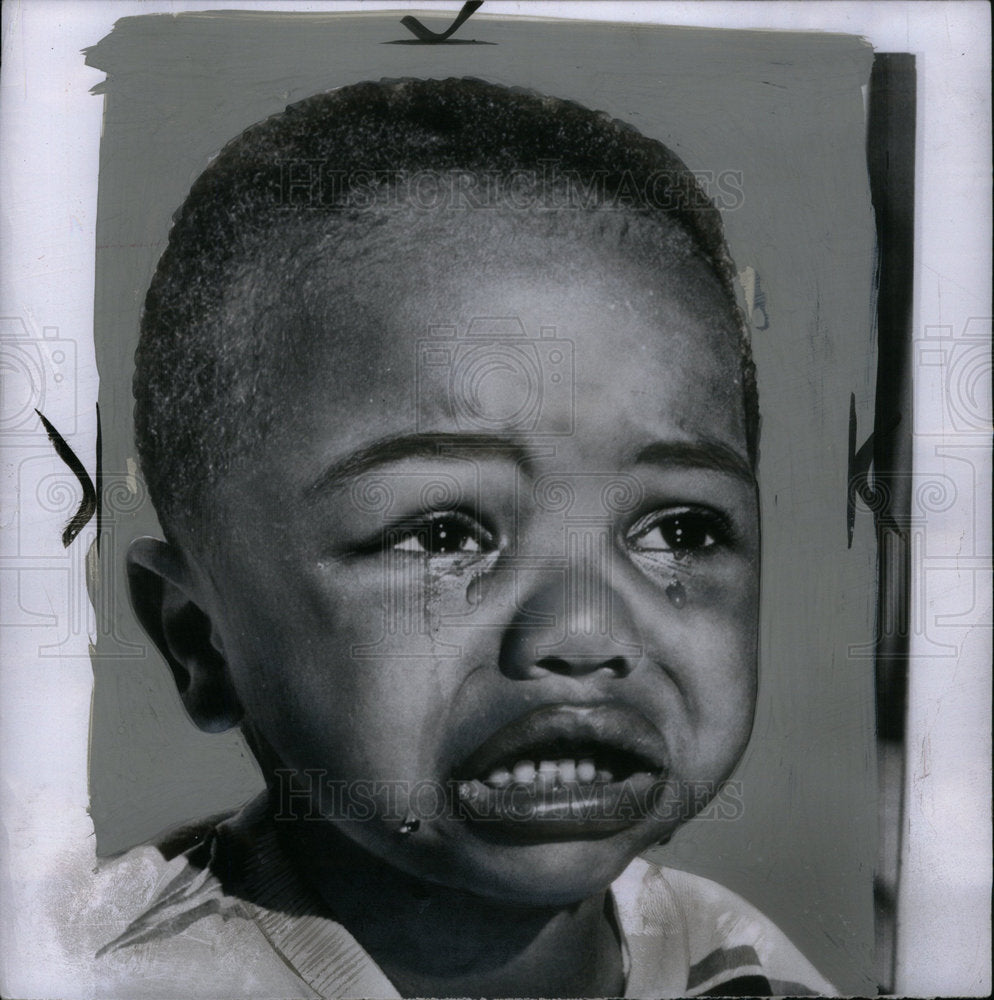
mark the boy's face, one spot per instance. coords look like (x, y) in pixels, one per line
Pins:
(471, 544)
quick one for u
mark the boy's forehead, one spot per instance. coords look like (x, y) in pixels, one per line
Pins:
(411, 277)
(492, 325)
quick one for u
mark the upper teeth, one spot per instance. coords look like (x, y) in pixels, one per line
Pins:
(549, 773)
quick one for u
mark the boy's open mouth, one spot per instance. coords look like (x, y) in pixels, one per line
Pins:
(559, 765)
(563, 772)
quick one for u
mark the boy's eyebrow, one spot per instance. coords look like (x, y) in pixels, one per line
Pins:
(705, 453)
(427, 445)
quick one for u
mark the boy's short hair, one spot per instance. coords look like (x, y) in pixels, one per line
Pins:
(325, 169)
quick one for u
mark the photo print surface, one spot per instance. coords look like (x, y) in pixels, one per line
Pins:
(481, 595)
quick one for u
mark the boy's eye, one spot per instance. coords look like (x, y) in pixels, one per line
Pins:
(446, 533)
(683, 531)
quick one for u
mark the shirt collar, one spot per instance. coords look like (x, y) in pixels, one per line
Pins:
(250, 863)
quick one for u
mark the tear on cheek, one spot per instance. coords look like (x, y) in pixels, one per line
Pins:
(452, 593)
(476, 591)
(676, 593)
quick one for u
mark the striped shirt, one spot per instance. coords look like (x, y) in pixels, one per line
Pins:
(262, 933)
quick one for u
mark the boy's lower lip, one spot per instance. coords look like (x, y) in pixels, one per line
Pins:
(532, 813)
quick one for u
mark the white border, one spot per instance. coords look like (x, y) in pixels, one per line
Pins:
(50, 133)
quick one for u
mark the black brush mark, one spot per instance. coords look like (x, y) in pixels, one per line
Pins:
(860, 462)
(88, 505)
(416, 28)
(100, 480)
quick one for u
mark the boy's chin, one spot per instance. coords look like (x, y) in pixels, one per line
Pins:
(548, 870)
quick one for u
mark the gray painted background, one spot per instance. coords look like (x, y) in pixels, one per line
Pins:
(784, 109)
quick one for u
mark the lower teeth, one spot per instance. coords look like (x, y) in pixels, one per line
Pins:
(564, 774)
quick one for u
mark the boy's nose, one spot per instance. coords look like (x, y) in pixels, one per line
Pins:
(573, 623)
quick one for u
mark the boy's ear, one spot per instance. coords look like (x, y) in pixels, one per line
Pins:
(165, 601)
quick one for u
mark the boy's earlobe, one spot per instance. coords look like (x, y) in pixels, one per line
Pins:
(166, 605)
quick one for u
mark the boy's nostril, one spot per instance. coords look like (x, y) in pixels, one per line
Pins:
(582, 665)
(619, 664)
(553, 664)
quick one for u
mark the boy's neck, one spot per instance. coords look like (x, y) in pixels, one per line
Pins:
(431, 940)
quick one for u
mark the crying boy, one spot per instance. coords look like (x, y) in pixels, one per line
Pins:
(450, 420)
